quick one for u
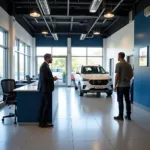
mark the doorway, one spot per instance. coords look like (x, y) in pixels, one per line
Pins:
(58, 68)
(130, 60)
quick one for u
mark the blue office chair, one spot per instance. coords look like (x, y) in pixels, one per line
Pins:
(9, 97)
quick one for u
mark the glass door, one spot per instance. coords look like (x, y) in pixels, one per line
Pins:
(58, 69)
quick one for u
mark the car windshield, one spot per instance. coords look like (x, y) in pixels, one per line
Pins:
(93, 70)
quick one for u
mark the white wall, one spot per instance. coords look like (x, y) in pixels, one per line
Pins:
(15, 30)
(121, 41)
(4, 19)
(22, 34)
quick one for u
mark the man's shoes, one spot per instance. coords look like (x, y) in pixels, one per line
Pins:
(47, 125)
(128, 117)
(119, 118)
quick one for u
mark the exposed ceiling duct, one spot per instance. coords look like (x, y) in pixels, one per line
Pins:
(55, 36)
(95, 5)
(45, 7)
(82, 37)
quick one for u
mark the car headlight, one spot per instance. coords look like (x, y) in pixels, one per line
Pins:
(85, 79)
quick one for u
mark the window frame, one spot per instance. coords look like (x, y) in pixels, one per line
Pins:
(26, 53)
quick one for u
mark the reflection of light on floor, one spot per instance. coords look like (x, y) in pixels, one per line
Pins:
(62, 111)
(75, 111)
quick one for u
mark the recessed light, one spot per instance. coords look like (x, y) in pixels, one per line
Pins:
(109, 15)
(44, 32)
(35, 14)
(96, 33)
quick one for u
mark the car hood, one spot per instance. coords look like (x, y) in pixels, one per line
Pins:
(96, 76)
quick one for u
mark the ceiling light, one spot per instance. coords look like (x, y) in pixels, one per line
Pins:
(45, 7)
(35, 14)
(83, 36)
(95, 5)
(55, 36)
(109, 15)
(96, 33)
(44, 32)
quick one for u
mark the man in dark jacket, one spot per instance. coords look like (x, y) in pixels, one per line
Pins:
(46, 87)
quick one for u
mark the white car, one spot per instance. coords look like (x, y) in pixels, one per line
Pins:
(58, 73)
(93, 79)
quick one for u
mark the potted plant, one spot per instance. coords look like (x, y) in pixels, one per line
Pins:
(64, 76)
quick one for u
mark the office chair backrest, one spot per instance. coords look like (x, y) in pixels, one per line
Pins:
(28, 79)
(8, 85)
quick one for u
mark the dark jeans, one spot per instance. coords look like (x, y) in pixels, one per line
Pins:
(123, 92)
(46, 108)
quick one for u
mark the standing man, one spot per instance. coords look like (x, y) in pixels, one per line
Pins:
(124, 74)
(46, 87)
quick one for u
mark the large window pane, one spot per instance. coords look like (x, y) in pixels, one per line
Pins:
(59, 51)
(40, 60)
(1, 66)
(1, 38)
(41, 51)
(95, 61)
(77, 61)
(21, 47)
(95, 51)
(79, 51)
(16, 66)
(21, 63)
(26, 66)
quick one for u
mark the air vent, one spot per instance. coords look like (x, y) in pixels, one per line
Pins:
(147, 11)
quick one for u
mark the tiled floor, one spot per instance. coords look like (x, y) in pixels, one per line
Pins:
(81, 124)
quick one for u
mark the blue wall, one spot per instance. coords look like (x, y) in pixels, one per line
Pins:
(96, 41)
(142, 74)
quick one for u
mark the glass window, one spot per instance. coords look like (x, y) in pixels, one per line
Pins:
(59, 51)
(16, 66)
(79, 51)
(21, 47)
(40, 60)
(77, 61)
(21, 67)
(95, 61)
(41, 51)
(93, 70)
(1, 38)
(94, 51)
(3, 55)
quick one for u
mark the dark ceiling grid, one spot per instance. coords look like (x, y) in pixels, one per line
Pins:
(72, 16)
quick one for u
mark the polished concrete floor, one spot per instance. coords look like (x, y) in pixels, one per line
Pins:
(81, 124)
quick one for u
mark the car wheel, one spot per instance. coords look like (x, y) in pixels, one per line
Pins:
(109, 93)
(80, 90)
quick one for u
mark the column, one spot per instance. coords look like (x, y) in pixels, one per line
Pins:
(11, 48)
(33, 58)
(69, 66)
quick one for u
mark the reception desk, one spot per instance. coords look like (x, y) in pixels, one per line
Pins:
(29, 101)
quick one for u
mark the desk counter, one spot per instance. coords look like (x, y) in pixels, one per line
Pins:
(29, 101)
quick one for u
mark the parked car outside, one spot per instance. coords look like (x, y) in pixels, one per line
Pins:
(58, 73)
(93, 79)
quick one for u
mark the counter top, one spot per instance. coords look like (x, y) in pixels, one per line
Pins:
(29, 87)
